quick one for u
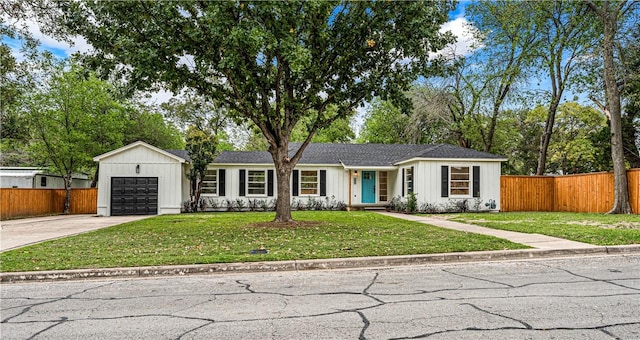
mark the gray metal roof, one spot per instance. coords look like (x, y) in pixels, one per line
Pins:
(358, 154)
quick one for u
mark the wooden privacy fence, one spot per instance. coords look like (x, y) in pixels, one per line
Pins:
(576, 193)
(33, 202)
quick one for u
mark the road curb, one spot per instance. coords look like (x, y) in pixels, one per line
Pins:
(303, 265)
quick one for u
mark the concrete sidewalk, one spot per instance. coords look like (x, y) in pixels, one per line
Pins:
(533, 240)
(22, 232)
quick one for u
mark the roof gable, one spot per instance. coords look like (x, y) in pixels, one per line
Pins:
(139, 144)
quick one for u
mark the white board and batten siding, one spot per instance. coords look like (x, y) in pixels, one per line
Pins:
(428, 181)
(336, 182)
(150, 162)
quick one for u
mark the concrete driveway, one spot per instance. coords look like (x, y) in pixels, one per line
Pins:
(19, 233)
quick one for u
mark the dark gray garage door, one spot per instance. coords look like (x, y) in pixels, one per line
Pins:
(134, 196)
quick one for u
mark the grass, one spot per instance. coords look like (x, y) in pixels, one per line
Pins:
(598, 229)
(229, 237)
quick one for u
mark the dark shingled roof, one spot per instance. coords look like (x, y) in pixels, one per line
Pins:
(180, 153)
(358, 154)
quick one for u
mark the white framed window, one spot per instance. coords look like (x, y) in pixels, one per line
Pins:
(210, 182)
(408, 180)
(256, 182)
(309, 180)
(383, 197)
(459, 183)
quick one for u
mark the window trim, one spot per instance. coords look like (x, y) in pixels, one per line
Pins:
(301, 182)
(215, 186)
(264, 183)
(386, 184)
(469, 181)
(409, 176)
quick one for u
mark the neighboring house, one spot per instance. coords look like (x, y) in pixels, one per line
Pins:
(38, 178)
(359, 175)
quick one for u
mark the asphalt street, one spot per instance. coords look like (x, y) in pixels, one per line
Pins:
(569, 298)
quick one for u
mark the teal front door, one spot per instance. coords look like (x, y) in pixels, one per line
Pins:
(368, 187)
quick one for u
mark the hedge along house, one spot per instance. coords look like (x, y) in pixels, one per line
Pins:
(358, 175)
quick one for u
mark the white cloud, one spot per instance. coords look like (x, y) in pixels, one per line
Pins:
(159, 97)
(465, 41)
(59, 48)
(462, 30)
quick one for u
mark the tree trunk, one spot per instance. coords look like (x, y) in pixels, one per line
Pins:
(284, 166)
(193, 188)
(67, 194)
(492, 129)
(198, 193)
(621, 191)
(94, 181)
(545, 139)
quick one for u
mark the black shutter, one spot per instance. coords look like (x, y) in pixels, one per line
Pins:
(242, 181)
(402, 184)
(221, 182)
(476, 181)
(294, 190)
(323, 182)
(445, 181)
(269, 182)
(413, 180)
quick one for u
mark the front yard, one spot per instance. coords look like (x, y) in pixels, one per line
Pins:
(230, 237)
(598, 229)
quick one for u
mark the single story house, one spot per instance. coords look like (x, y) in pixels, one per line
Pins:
(142, 179)
(38, 178)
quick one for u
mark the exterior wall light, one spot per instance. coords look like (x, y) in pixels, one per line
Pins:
(138, 168)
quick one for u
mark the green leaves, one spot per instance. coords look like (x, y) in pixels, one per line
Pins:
(292, 56)
(269, 62)
(74, 118)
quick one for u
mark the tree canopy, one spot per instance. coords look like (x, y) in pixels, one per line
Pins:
(73, 118)
(269, 62)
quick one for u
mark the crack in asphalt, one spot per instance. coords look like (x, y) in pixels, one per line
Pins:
(360, 311)
(526, 325)
(366, 323)
(546, 329)
(29, 307)
(477, 278)
(246, 286)
(61, 321)
(194, 329)
(609, 281)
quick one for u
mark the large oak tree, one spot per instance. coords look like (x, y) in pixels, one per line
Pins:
(610, 14)
(270, 62)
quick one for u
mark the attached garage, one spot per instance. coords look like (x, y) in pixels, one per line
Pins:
(140, 179)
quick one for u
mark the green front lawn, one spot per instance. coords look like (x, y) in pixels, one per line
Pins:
(229, 237)
(598, 229)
